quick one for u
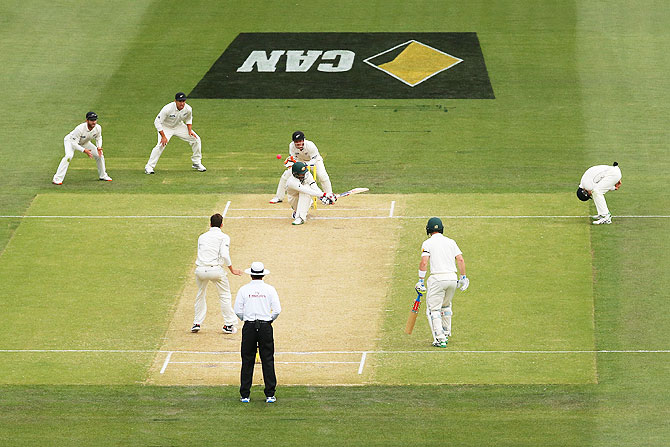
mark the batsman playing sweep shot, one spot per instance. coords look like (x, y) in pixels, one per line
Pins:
(443, 254)
(301, 187)
(301, 149)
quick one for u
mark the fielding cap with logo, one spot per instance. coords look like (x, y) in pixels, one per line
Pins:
(181, 96)
(298, 136)
(92, 116)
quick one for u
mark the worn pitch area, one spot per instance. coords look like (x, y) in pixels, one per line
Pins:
(332, 276)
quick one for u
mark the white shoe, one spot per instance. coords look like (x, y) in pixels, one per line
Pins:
(244, 400)
(106, 178)
(275, 200)
(271, 399)
(298, 221)
(604, 220)
(199, 167)
(148, 170)
(229, 329)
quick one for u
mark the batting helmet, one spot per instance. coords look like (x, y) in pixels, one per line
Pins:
(434, 224)
(582, 194)
(299, 169)
(92, 116)
(298, 135)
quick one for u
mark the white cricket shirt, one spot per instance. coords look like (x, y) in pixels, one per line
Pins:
(213, 249)
(169, 116)
(600, 178)
(257, 301)
(442, 252)
(307, 186)
(308, 154)
(80, 135)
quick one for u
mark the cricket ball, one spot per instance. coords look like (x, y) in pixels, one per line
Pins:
(278, 156)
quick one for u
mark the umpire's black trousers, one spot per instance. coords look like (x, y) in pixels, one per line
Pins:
(258, 334)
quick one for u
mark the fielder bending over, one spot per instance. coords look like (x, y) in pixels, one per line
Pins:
(175, 118)
(596, 181)
(305, 151)
(443, 254)
(80, 140)
(301, 187)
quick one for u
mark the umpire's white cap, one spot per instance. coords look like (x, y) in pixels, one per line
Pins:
(257, 269)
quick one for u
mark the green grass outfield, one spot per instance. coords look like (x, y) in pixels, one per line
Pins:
(577, 83)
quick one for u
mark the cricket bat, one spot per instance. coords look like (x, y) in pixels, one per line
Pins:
(351, 192)
(411, 320)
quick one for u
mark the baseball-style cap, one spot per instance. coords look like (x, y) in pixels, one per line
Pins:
(92, 116)
(257, 269)
(181, 96)
(298, 135)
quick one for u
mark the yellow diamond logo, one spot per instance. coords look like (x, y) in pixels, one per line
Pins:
(412, 62)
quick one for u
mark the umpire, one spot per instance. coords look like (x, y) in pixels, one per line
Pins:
(257, 304)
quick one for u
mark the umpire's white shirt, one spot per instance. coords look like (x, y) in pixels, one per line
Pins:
(442, 252)
(601, 178)
(309, 153)
(80, 135)
(257, 301)
(169, 116)
(213, 249)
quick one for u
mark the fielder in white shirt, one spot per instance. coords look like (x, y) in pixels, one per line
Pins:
(257, 304)
(443, 254)
(80, 139)
(596, 181)
(175, 119)
(213, 251)
(301, 187)
(305, 151)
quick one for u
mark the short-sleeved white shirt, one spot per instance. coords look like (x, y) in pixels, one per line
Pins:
(442, 252)
(169, 116)
(257, 301)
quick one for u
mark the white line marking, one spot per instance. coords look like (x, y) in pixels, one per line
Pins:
(225, 211)
(392, 208)
(167, 360)
(362, 363)
(328, 218)
(434, 351)
(283, 363)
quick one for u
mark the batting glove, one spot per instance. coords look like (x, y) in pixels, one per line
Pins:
(463, 283)
(420, 287)
(324, 199)
(331, 197)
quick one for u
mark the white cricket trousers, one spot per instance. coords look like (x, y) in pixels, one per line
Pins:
(321, 177)
(438, 306)
(300, 202)
(180, 131)
(217, 275)
(59, 176)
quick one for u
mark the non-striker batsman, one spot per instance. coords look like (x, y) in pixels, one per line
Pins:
(443, 255)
